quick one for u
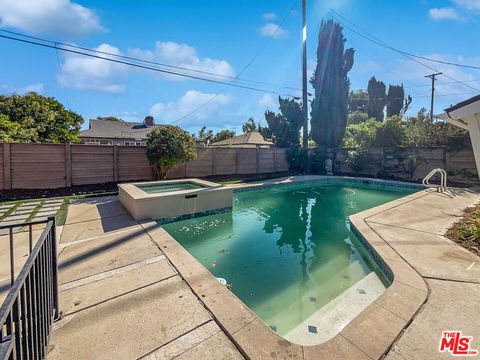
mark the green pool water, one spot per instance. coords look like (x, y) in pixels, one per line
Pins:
(285, 252)
(160, 188)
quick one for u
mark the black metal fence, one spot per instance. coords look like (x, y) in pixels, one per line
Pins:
(31, 305)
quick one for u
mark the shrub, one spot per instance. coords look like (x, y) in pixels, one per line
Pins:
(168, 146)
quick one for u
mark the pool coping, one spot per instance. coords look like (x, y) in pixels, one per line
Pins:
(375, 328)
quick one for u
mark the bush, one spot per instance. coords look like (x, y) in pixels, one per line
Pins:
(357, 117)
(372, 132)
(362, 135)
(297, 158)
(168, 146)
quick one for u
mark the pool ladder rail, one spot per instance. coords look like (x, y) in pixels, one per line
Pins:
(443, 179)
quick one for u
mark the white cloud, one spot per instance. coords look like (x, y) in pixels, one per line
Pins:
(38, 88)
(269, 16)
(268, 102)
(273, 30)
(49, 17)
(7, 89)
(447, 13)
(470, 5)
(85, 73)
(183, 55)
(190, 101)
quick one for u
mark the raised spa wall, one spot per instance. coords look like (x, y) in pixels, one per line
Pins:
(174, 205)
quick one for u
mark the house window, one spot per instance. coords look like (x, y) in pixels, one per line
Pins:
(92, 141)
(135, 143)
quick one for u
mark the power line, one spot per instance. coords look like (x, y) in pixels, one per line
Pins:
(410, 54)
(57, 43)
(194, 77)
(379, 42)
(241, 72)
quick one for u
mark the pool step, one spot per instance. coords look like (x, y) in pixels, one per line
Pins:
(311, 299)
(332, 317)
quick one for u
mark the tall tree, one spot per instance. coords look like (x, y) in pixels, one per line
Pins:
(204, 135)
(377, 98)
(250, 126)
(331, 84)
(284, 128)
(45, 119)
(395, 100)
(223, 135)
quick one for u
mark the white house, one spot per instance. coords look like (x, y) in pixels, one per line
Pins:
(466, 115)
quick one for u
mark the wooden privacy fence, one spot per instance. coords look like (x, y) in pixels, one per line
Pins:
(47, 166)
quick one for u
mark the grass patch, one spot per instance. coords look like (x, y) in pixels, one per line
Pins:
(466, 232)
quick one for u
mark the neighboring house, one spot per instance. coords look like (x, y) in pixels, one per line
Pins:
(107, 132)
(249, 140)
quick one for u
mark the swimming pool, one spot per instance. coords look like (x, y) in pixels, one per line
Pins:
(289, 255)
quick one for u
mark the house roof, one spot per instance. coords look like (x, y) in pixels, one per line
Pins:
(117, 130)
(463, 104)
(251, 138)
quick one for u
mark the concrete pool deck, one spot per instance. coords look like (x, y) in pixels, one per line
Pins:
(115, 273)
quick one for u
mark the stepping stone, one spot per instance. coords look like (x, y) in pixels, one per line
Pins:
(6, 207)
(49, 208)
(51, 202)
(34, 203)
(22, 212)
(20, 218)
(24, 207)
(45, 213)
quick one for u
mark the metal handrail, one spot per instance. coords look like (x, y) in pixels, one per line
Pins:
(443, 179)
(31, 305)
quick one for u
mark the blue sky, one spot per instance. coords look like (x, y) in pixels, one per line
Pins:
(222, 37)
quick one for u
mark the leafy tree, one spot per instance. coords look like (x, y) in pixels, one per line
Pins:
(377, 98)
(45, 119)
(391, 133)
(250, 126)
(395, 100)
(168, 146)
(204, 135)
(284, 128)
(420, 130)
(223, 135)
(361, 135)
(358, 101)
(357, 117)
(13, 132)
(108, 118)
(331, 84)
(373, 133)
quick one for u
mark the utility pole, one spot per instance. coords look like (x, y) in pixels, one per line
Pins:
(433, 77)
(304, 75)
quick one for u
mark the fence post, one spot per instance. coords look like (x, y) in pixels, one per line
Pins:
(214, 154)
(115, 163)
(257, 155)
(383, 163)
(68, 165)
(274, 159)
(445, 158)
(7, 178)
(236, 160)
